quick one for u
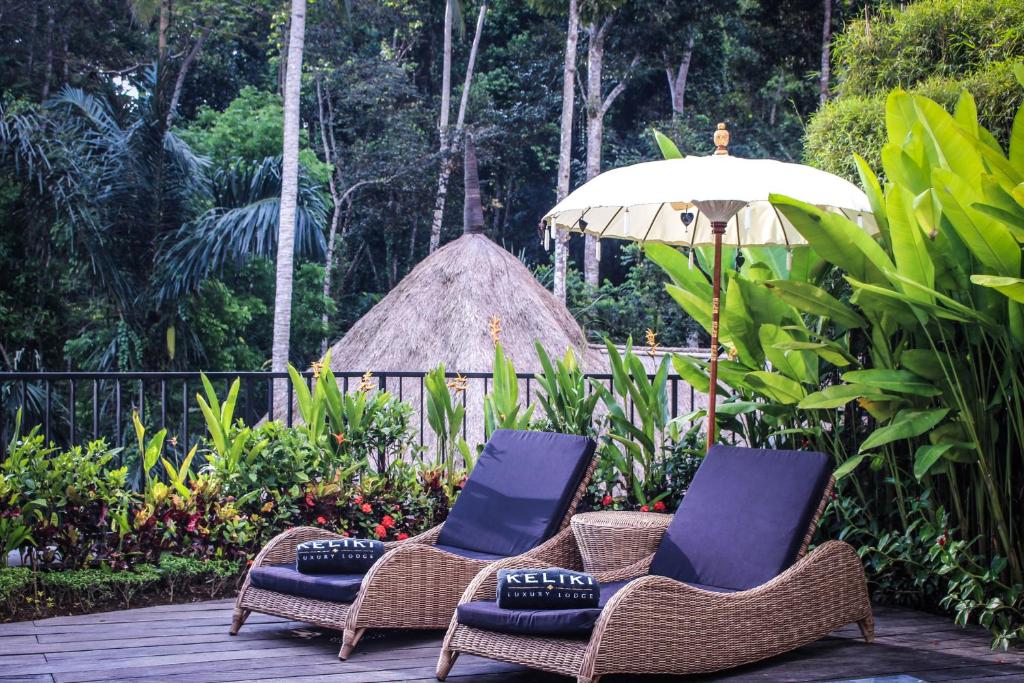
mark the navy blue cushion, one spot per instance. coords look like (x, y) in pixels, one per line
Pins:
(471, 554)
(283, 578)
(744, 517)
(487, 615)
(518, 492)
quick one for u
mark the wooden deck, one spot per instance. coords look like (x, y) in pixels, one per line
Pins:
(190, 643)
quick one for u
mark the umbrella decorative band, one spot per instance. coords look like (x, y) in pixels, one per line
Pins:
(706, 201)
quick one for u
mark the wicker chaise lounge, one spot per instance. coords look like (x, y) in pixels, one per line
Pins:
(519, 498)
(730, 583)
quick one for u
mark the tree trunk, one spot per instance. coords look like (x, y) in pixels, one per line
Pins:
(289, 192)
(565, 144)
(48, 65)
(677, 82)
(596, 110)
(826, 53)
(450, 142)
(165, 25)
(442, 129)
(179, 81)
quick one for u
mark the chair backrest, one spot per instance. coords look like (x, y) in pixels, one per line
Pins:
(519, 491)
(744, 517)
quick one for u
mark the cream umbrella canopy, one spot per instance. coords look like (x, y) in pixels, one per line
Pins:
(706, 201)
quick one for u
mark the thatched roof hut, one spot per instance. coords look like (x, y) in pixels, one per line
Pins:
(439, 313)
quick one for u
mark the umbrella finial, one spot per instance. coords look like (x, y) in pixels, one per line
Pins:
(721, 141)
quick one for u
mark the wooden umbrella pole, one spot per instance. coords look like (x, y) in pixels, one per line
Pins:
(717, 229)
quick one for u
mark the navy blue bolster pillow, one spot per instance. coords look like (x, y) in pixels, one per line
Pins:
(546, 589)
(337, 556)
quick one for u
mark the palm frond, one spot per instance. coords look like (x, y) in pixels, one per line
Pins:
(242, 224)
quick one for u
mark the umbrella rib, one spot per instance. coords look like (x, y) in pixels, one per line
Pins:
(693, 233)
(573, 226)
(782, 227)
(654, 218)
(609, 223)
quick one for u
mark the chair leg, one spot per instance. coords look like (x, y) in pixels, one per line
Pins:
(867, 628)
(349, 642)
(445, 662)
(239, 618)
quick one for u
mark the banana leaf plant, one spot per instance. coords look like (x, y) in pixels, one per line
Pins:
(904, 351)
(567, 403)
(501, 406)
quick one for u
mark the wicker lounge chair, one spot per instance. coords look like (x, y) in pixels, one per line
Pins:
(730, 584)
(523, 490)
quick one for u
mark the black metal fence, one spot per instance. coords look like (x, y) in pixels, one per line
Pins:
(74, 407)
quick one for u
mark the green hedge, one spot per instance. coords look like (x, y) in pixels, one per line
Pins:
(28, 594)
(935, 48)
(907, 45)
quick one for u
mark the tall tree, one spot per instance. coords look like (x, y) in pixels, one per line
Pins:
(289, 190)
(565, 143)
(597, 105)
(450, 140)
(826, 53)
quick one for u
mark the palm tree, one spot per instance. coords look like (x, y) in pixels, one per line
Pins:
(289, 191)
(451, 142)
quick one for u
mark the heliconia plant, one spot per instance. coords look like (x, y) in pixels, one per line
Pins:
(563, 394)
(502, 409)
(920, 329)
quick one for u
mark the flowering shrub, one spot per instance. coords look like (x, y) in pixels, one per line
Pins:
(67, 499)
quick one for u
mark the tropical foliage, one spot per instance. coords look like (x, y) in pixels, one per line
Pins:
(899, 354)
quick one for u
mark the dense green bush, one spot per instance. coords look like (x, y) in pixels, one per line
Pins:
(903, 46)
(857, 122)
(28, 594)
(936, 49)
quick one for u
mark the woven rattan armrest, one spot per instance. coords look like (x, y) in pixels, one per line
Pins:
(821, 592)
(558, 551)
(281, 548)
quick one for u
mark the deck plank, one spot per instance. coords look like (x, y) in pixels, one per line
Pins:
(190, 642)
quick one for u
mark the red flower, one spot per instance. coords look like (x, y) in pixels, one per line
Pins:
(380, 531)
(309, 500)
(402, 536)
(366, 508)
(659, 506)
(942, 541)
(387, 522)
(645, 508)
(606, 501)
(339, 438)
(321, 520)
(357, 500)
(345, 534)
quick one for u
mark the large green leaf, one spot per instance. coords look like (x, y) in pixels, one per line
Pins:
(697, 308)
(900, 381)
(839, 395)
(739, 322)
(1017, 141)
(692, 371)
(808, 298)
(926, 457)
(908, 247)
(1011, 287)
(667, 147)
(987, 238)
(826, 350)
(848, 466)
(906, 424)
(836, 239)
(776, 387)
(795, 363)
(873, 189)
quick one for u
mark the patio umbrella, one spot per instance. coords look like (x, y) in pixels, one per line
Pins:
(706, 201)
